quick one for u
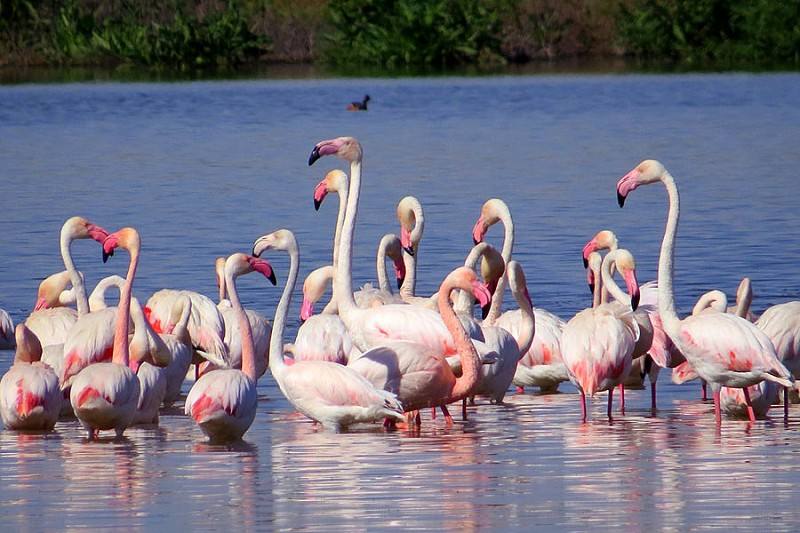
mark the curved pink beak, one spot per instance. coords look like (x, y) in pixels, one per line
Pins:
(306, 310)
(110, 243)
(590, 247)
(97, 233)
(405, 241)
(320, 191)
(262, 267)
(626, 184)
(478, 230)
(400, 272)
(633, 287)
(41, 303)
(481, 293)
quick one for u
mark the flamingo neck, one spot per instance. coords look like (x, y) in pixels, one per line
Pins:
(343, 192)
(343, 276)
(527, 328)
(409, 287)
(380, 264)
(81, 300)
(715, 300)
(744, 297)
(464, 300)
(181, 329)
(276, 362)
(248, 350)
(121, 354)
(609, 283)
(666, 296)
(468, 355)
(508, 245)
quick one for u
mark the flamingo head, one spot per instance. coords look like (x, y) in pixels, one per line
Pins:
(80, 228)
(347, 148)
(492, 269)
(603, 240)
(491, 212)
(594, 261)
(648, 171)
(409, 214)
(50, 289)
(314, 286)
(517, 281)
(29, 349)
(627, 268)
(126, 238)
(282, 239)
(219, 270)
(239, 264)
(394, 250)
(464, 278)
(334, 181)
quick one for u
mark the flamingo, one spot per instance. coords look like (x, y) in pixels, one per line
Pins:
(492, 212)
(105, 395)
(260, 328)
(321, 337)
(179, 344)
(29, 394)
(149, 355)
(597, 343)
(223, 402)
(372, 327)
(419, 376)
(51, 319)
(334, 181)
(6, 328)
(725, 350)
(332, 394)
(781, 323)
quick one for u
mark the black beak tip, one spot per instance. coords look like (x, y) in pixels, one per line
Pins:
(106, 255)
(400, 282)
(409, 250)
(317, 203)
(634, 302)
(314, 156)
(585, 262)
(591, 288)
(272, 279)
(620, 199)
(475, 241)
(485, 311)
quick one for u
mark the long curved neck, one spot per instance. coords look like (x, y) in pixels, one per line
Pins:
(666, 296)
(121, 353)
(343, 276)
(409, 286)
(343, 192)
(248, 350)
(82, 301)
(528, 327)
(276, 362)
(744, 297)
(380, 264)
(597, 294)
(181, 330)
(468, 355)
(508, 246)
(715, 300)
(610, 284)
(464, 300)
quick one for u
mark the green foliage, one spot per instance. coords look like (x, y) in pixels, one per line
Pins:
(411, 32)
(726, 31)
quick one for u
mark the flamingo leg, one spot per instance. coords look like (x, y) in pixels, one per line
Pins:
(433, 413)
(447, 418)
(611, 400)
(196, 372)
(705, 390)
(418, 419)
(786, 404)
(750, 414)
(717, 414)
(464, 409)
(520, 390)
(653, 395)
(583, 406)
(621, 399)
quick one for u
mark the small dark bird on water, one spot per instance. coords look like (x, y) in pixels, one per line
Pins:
(359, 106)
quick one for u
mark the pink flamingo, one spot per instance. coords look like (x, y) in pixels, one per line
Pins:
(597, 343)
(725, 350)
(332, 394)
(105, 395)
(419, 376)
(372, 327)
(334, 181)
(29, 394)
(781, 323)
(492, 212)
(223, 402)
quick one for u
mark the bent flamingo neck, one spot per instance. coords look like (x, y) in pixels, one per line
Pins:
(248, 349)
(121, 354)
(468, 355)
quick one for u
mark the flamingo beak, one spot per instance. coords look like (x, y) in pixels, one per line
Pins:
(481, 293)
(320, 191)
(405, 241)
(626, 184)
(314, 155)
(633, 287)
(478, 231)
(263, 267)
(97, 233)
(590, 247)
(109, 244)
(306, 310)
(400, 272)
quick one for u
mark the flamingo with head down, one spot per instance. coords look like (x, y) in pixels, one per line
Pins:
(725, 350)
(30, 398)
(329, 393)
(105, 395)
(223, 402)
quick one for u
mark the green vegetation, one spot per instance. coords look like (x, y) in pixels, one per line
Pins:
(202, 34)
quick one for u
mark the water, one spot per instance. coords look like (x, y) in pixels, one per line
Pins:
(204, 168)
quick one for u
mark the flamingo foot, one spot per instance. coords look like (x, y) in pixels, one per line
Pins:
(464, 409)
(520, 390)
(717, 414)
(621, 399)
(448, 420)
(583, 406)
(611, 401)
(705, 389)
(750, 414)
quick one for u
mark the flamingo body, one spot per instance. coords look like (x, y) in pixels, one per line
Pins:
(781, 323)
(30, 397)
(223, 403)
(323, 338)
(542, 364)
(105, 396)
(152, 390)
(52, 326)
(91, 340)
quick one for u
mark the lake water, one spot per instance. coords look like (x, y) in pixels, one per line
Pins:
(203, 168)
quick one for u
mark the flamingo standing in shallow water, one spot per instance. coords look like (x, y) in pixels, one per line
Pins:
(373, 327)
(725, 350)
(597, 343)
(105, 395)
(329, 393)
(29, 394)
(223, 402)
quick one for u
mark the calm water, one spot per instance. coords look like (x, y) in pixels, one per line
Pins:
(202, 169)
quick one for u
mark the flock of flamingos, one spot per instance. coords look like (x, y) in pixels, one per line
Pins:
(372, 356)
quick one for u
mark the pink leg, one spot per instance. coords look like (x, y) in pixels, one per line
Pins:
(717, 414)
(447, 418)
(611, 400)
(705, 391)
(464, 409)
(786, 404)
(520, 390)
(583, 406)
(750, 414)
(433, 413)
(621, 399)
(653, 395)
(418, 419)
